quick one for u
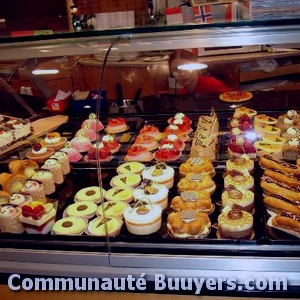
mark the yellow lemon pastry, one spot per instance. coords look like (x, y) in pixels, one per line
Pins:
(131, 167)
(126, 180)
(119, 194)
(12, 183)
(238, 180)
(258, 119)
(108, 226)
(69, 226)
(239, 111)
(54, 141)
(92, 193)
(82, 209)
(112, 208)
(264, 148)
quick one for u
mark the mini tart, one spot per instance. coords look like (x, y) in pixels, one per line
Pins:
(54, 141)
(138, 153)
(126, 180)
(251, 113)
(151, 130)
(188, 224)
(69, 226)
(160, 173)
(196, 182)
(119, 194)
(273, 139)
(240, 164)
(116, 125)
(269, 129)
(239, 181)
(258, 119)
(263, 148)
(40, 158)
(143, 220)
(197, 165)
(192, 200)
(112, 208)
(167, 152)
(91, 193)
(174, 140)
(82, 209)
(154, 192)
(131, 167)
(147, 141)
(235, 223)
(108, 226)
(243, 199)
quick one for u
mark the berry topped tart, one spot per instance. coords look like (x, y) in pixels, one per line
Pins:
(138, 153)
(110, 141)
(182, 121)
(167, 152)
(147, 141)
(116, 125)
(174, 140)
(104, 153)
(151, 130)
(39, 152)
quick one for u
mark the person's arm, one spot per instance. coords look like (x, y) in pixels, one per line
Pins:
(217, 86)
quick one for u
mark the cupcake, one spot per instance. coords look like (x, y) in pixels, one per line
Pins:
(197, 165)
(46, 177)
(144, 219)
(112, 209)
(9, 219)
(131, 167)
(238, 180)
(119, 194)
(103, 227)
(54, 141)
(69, 226)
(235, 224)
(160, 173)
(116, 125)
(35, 189)
(92, 123)
(39, 152)
(73, 154)
(92, 193)
(81, 209)
(63, 160)
(138, 153)
(238, 198)
(81, 143)
(54, 167)
(146, 141)
(126, 180)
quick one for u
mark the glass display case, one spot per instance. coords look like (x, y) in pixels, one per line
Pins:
(124, 249)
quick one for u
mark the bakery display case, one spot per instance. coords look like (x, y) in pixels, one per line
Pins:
(154, 236)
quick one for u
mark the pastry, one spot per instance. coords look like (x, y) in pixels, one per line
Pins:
(273, 139)
(287, 220)
(262, 129)
(12, 183)
(146, 141)
(192, 200)
(54, 141)
(69, 226)
(131, 167)
(20, 128)
(9, 219)
(183, 125)
(154, 192)
(109, 141)
(271, 162)
(38, 217)
(112, 209)
(160, 173)
(26, 167)
(35, 189)
(151, 130)
(73, 154)
(292, 114)
(63, 160)
(138, 153)
(289, 179)
(144, 219)
(116, 125)
(279, 204)
(174, 140)
(20, 199)
(235, 223)
(242, 110)
(87, 132)
(264, 148)
(241, 164)
(39, 152)
(81, 144)
(238, 198)
(204, 146)
(126, 180)
(196, 182)
(100, 152)
(6, 137)
(175, 130)
(239, 146)
(54, 167)
(4, 197)
(108, 226)
(238, 180)
(92, 123)
(167, 152)
(285, 122)
(291, 150)
(81, 209)
(291, 132)
(264, 119)
(119, 194)
(180, 116)
(188, 224)
(46, 177)
(92, 193)
(197, 165)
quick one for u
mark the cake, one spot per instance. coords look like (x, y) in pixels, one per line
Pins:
(154, 193)
(63, 160)
(92, 123)
(12, 183)
(20, 199)
(112, 209)
(38, 217)
(196, 182)
(264, 119)
(73, 154)
(151, 130)
(242, 110)
(174, 140)
(188, 224)
(55, 168)
(167, 152)
(264, 148)
(144, 219)
(103, 227)
(81, 209)
(39, 152)
(239, 147)
(116, 125)
(109, 141)
(9, 219)
(90, 134)
(69, 226)
(4, 197)
(100, 153)
(238, 180)
(273, 139)
(197, 165)
(126, 180)
(138, 153)
(204, 146)
(119, 194)
(54, 141)
(25, 167)
(235, 224)
(35, 189)
(81, 143)
(21, 128)
(91, 193)
(146, 141)
(193, 200)
(47, 179)
(6, 137)
(238, 198)
(285, 123)
(131, 167)
(241, 164)
(160, 173)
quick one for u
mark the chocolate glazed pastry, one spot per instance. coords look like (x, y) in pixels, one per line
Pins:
(289, 179)
(270, 162)
(287, 220)
(279, 204)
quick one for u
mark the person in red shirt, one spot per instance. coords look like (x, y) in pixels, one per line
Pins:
(192, 81)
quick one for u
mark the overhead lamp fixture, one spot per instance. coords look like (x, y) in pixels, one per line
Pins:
(45, 71)
(192, 67)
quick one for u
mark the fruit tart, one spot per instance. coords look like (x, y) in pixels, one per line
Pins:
(39, 152)
(239, 147)
(146, 141)
(54, 141)
(103, 152)
(138, 153)
(167, 152)
(174, 129)
(116, 125)
(151, 130)
(113, 145)
(174, 140)
(180, 116)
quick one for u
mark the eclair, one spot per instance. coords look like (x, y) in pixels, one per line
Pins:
(271, 162)
(292, 180)
(279, 204)
(287, 220)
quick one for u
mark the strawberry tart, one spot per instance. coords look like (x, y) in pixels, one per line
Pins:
(92, 123)
(151, 130)
(239, 146)
(174, 140)
(109, 141)
(138, 153)
(103, 152)
(116, 125)
(147, 141)
(167, 152)
(180, 116)
(174, 129)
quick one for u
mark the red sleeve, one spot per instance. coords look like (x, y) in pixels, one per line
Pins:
(211, 85)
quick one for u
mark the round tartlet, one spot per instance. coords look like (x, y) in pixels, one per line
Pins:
(91, 193)
(40, 155)
(143, 220)
(126, 180)
(54, 141)
(112, 208)
(109, 226)
(119, 194)
(82, 209)
(243, 199)
(131, 167)
(239, 181)
(69, 226)
(197, 165)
